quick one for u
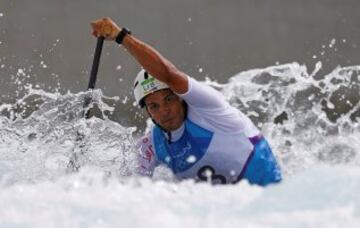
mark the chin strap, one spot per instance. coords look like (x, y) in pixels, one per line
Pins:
(169, 136)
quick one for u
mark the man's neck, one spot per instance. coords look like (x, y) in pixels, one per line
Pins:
(176, 134)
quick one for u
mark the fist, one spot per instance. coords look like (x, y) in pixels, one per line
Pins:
(105, 27)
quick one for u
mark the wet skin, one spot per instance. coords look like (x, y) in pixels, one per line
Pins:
(166, 109)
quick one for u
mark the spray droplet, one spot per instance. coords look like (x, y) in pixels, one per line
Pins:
(311, 97)
(191, 159)
(167, 159)
(125, 100)
(43, 65)
(20, 72)
(332, 43)
(330, 105)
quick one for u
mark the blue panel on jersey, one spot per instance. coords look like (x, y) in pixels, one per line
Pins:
(262, 168)
(186, 151)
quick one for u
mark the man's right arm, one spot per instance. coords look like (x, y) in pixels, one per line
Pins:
(149, 58)
(156, 64)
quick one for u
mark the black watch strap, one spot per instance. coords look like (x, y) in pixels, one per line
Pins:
(120, 37)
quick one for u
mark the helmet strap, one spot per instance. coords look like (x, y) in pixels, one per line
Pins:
(163, 129)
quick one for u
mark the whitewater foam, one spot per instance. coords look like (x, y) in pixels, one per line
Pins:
(310, 120)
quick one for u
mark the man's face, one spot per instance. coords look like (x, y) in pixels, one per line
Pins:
(166, 109)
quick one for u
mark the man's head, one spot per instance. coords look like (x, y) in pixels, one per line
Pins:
(163, 106)
(166, 109)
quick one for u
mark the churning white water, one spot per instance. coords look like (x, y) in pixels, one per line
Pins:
(311, 121)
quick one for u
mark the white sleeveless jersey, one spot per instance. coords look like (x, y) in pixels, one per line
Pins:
(212, 143)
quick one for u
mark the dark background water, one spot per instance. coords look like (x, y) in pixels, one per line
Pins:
(51, 40)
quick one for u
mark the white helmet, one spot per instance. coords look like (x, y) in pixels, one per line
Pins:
(144, 85)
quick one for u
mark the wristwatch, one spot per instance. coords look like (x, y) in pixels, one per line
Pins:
(120, 37)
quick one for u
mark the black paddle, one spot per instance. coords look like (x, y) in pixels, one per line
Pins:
(73, 163)
(93, 73)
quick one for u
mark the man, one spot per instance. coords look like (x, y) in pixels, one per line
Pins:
(197, 134)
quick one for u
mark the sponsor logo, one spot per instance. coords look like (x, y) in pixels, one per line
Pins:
(148, 85)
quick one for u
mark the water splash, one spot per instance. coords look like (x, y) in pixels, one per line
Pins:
(307, 120)
(311, 121)
(39, 133)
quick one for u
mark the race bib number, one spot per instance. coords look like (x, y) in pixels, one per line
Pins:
(208, 174)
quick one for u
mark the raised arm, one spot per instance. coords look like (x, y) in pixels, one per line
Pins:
(149, 58)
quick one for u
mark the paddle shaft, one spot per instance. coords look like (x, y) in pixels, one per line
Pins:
(94, 71)
(96, 62)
